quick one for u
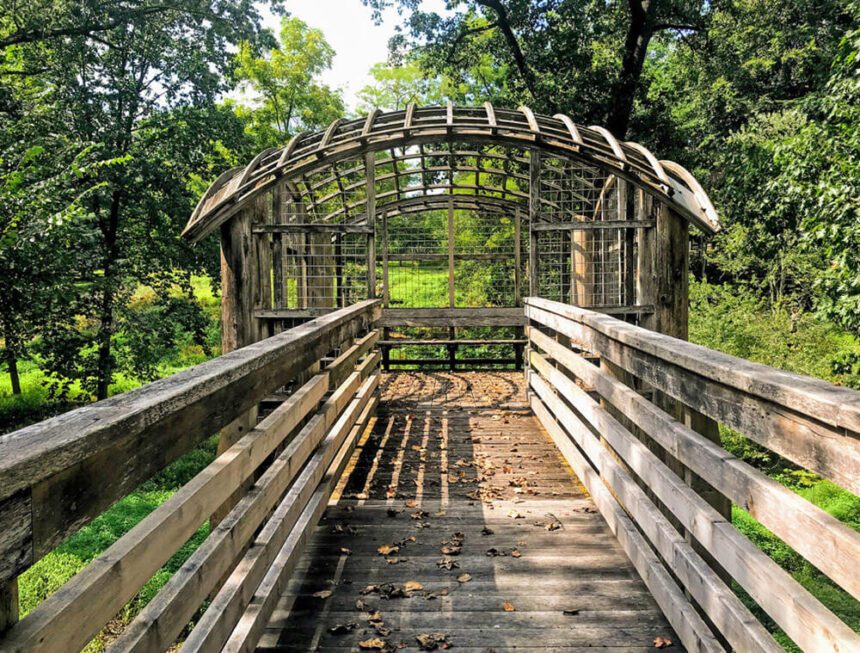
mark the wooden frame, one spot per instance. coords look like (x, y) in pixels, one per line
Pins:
(721, 387)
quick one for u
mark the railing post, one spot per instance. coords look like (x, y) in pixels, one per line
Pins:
(8, 604)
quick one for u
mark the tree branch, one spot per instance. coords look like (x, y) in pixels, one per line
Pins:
(525, 70)
(34, 35)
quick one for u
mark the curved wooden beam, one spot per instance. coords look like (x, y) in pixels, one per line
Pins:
(455, 134)
(572, 129)
(613, 143)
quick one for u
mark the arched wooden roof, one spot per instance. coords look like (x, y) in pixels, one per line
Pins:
(428, 151)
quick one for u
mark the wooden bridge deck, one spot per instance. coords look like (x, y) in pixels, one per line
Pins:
(456, 472)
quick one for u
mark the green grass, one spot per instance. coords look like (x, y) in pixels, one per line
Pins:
(417, 285)
(56, 568)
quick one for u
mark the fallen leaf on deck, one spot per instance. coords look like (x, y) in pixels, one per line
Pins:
(515, 553)
(495, 553)
(464, 578)
(450, 550)
(487, 531)
(419, 514)
(387, 549)
(361, 605)
(513, 514)
(432, 641)
(447, 563)
(323, 594)
(374, 644)
(662, 642)
(507, 606)
(342, 629)
(345, 551)
(411, 503)
(392, 561)
(412, 586)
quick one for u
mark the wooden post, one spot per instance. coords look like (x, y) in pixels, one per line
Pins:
(534, 215)
(239, 292)
(278, 250)
(451, 252)
(518, 290)
(370, 173)
(8, 604)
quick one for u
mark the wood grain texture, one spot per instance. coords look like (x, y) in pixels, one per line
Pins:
(440, 440)
(805, 420)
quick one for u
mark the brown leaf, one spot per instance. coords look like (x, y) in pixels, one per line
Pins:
(515, 553)
(464, 578)
(345, 551)
(432, 641)
(373, 644)
(447, 563)
(412, 586)
(387, 549)
(507, 606)
(323, 594)
(662, 642)
(450, 550)
(392, 561)
(342, 629)
(513, 514)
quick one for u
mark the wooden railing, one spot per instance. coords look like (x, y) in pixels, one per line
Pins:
(635, 414)
(57, 475)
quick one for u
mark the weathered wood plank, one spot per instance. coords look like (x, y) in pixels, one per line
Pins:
(816, 535)
(808, 421)
(451, 317)
(158, 625)
(290, 526)
(811, 625)
(690, 627)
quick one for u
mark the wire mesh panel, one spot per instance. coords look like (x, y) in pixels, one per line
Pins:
(590, 265)
(417, 254)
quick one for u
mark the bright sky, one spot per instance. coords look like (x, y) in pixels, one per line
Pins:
(349, 28)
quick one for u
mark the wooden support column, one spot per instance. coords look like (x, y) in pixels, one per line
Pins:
(450, 252)
(519, 332)
(239, 293)
(278, 252)
(370, 173)
(386, 296)
(534, 216)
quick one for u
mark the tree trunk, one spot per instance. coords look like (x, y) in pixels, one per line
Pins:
(11, 354)
(104, 369)
(639, 34)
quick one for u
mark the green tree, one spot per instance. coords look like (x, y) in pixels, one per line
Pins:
(281, 91)
(395, 87)
(135, 85)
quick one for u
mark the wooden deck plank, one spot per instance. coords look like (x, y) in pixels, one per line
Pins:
(460, 453)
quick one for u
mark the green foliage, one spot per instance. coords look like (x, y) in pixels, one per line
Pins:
(284, 96)
(395, 87)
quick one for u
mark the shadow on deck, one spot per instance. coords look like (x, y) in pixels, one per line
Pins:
(484, 519)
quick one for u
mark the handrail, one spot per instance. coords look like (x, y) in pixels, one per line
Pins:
(811, 422)
(57, 475)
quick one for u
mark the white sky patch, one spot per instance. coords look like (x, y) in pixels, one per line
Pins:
(359, 43)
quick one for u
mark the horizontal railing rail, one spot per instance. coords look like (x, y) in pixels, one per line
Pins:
(639, 429)
(288, 463)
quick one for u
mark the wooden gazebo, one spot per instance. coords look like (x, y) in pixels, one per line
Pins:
(547, 208)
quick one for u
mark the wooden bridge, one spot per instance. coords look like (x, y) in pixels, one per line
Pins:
(581, 503)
